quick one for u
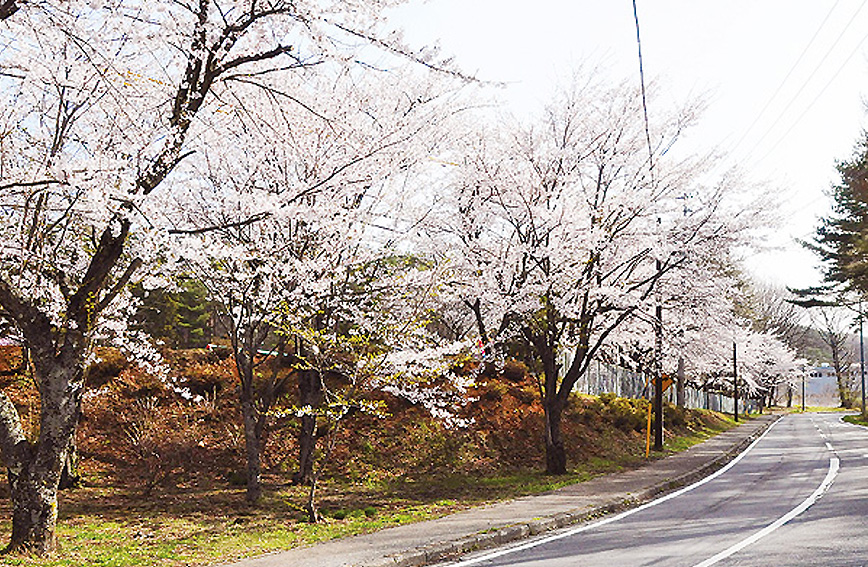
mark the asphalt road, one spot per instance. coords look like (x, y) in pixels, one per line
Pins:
(798, 496)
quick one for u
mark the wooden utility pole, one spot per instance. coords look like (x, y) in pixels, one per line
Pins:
(862, 356)
(735, 381)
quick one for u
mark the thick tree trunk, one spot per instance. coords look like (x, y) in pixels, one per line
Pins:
(35, 468)
(34, 511)
(556, 454)
(310, 393)
(553, 405)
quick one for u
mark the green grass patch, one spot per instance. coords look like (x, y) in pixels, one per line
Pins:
(858, 419)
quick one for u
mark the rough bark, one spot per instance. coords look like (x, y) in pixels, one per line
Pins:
(554, 403)
(34, 469)
(310, 390)
(556, 453)
(252, 430)
(34, 510)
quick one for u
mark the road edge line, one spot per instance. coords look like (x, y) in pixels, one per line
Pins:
(757, 437)
(834, 466)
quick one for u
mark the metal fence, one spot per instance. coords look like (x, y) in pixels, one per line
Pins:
(602, 378)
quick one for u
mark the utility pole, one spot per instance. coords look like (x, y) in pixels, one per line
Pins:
(862, 356)
(803, 392)
(658, 374)
(735, 381)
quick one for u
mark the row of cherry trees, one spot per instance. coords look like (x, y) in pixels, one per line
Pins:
(340, 199)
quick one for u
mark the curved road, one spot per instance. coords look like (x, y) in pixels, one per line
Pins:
(798, 496)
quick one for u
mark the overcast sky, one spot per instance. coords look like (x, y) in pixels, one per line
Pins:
(785, 81)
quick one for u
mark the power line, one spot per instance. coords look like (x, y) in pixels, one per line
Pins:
(786, 78)
(644, 100)
(809, 78)
(814, 101)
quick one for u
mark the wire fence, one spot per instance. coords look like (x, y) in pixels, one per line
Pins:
(602, 378)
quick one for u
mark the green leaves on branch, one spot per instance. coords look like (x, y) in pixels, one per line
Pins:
(841, 241)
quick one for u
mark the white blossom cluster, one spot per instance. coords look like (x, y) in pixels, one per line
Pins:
(295, 159)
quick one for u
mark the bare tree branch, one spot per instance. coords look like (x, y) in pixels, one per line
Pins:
(238, 224)
(120, 284)
(404, 53)
(263, 56)
(33, 183)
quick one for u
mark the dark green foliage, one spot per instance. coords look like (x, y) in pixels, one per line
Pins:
(180, 318)
(842, 239)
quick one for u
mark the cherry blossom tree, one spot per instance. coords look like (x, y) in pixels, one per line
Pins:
(560, 230)
(292, 235)
(104, 105)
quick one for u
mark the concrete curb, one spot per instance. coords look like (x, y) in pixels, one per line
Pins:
(444, 551)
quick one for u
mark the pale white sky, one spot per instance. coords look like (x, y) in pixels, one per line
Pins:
(785, 81)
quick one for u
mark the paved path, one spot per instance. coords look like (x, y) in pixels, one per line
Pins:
(485, 527)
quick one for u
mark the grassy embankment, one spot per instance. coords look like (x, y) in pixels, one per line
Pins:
(163, 483)
(112, 526)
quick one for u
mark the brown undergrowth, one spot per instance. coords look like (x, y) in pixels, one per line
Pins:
(162, 482)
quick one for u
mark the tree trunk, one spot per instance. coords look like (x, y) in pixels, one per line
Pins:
(250, 418)
(35, 468)
(843, 390)
(310, 393)
(69, 476)
(679, 384)
(556, 454)
(252, 447)
(553, 405)
(310, 505)
(34, 511)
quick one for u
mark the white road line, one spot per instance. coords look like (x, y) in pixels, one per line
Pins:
(617, 517)
(809, 501)
(829, 446)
